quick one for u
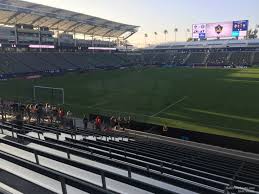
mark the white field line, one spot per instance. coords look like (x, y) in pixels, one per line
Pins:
(171, 105)
(130, 113)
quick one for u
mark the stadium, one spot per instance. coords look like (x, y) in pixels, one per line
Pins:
(82, 110)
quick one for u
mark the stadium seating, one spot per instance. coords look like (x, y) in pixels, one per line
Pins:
(178, 58)
(21, 63)
(132, 59)
(240, 59)
(196, 58)
(256, 59)
(43, 62)
(34, 61)
(162, 58)
(10, 64)
(217, 59)
(165, 58)
(169, 167)
(149, 58)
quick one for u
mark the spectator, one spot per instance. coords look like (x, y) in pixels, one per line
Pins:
(71, 124)
(118, 123)
(69, 114)
(19, 121)
(98, 123)
(2, 109)
(28, 111)
(22, 109)
(124, 123)
(55, 114)
(39, 113)
(85, 121)
(61, 116)
(112, 122)
(129, 123)
(165, 130)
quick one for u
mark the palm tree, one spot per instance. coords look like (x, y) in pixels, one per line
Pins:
(165, 33)
(146, 36)
(175, 31)
(187, 33)
(155, 35)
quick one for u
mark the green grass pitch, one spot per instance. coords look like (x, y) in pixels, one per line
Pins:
(217, 101)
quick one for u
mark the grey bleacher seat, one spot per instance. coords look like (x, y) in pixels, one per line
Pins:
(217, 59)
(240, 58)
(178, 58)
(196, 58)
(12, 64)
(256, 59)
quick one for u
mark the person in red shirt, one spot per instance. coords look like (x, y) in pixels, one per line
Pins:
(61, 116)
(98, 123)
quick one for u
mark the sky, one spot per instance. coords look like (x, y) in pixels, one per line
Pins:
(158, 15)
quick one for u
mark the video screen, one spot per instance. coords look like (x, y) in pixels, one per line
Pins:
(240, 25)
(198, 30)
(221, 29)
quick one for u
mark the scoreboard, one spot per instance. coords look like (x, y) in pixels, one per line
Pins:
(240, 25)
(199, 31)
(220, 29)
(240, 28)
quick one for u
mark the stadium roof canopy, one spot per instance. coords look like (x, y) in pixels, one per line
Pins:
(21, 12)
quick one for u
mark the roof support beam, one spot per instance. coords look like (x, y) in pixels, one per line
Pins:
(12, 17)
(74, 27)
(131, 34)
(56, 23)
(4, 18)
(45, 23)
(108, 32)
(69, 26)
(91, 29)
(65, 24)
(37, 19)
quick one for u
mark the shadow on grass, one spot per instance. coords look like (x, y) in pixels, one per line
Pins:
(215, 116)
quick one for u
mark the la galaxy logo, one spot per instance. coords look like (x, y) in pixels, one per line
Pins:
(218, 29)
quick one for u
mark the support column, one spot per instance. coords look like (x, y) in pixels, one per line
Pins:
(16, 34)
(110, 44)
(85, 41)
(39, 37)
(93, 42)
(58, 40)
(75, 39)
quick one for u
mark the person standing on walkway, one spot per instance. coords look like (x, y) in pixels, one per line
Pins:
(85, 121)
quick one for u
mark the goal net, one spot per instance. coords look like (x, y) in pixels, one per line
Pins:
(48, 95)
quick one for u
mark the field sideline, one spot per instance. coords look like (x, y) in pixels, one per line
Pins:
(217, 101)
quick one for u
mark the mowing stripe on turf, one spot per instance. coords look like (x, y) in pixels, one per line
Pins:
(171, 105)
(98, 104)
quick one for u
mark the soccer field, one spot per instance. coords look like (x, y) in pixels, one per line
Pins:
(217, 101)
